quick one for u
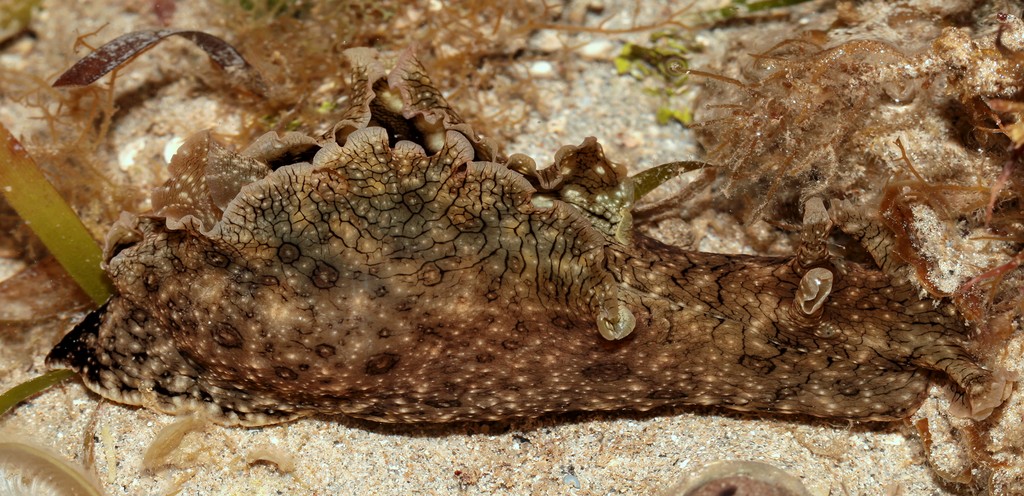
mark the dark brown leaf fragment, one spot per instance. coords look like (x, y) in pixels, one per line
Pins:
(113, 54)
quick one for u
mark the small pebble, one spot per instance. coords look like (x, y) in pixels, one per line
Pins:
(546, 41)
(541, 69)
(571, 480)
(597, 50)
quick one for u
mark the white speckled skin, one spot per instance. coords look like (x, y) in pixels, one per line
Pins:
(398, 270)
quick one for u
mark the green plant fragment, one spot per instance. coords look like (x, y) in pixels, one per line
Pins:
(665, 57)
(15, 16)
(646, 181)
(19, 393)
(739, 8)
(664, 115)
(326, 107)
(51, 218)
(622, 65)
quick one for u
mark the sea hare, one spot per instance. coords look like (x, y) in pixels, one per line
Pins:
(398, 269)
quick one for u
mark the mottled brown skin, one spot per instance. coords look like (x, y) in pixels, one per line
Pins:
(404, 273)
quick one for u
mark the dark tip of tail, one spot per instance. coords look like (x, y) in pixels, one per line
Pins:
(75, 350)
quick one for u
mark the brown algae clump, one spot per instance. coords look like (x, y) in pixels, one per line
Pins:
(795, 125)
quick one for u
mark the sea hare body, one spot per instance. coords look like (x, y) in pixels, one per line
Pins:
(398, 270)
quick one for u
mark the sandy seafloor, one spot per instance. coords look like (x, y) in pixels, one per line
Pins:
(582, 454)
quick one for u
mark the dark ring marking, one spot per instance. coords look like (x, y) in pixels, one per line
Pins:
(217, 259)
(324, 276)
(325, 350)
(381, 363)
(286, 373)
(288, 253)
(227, 336)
